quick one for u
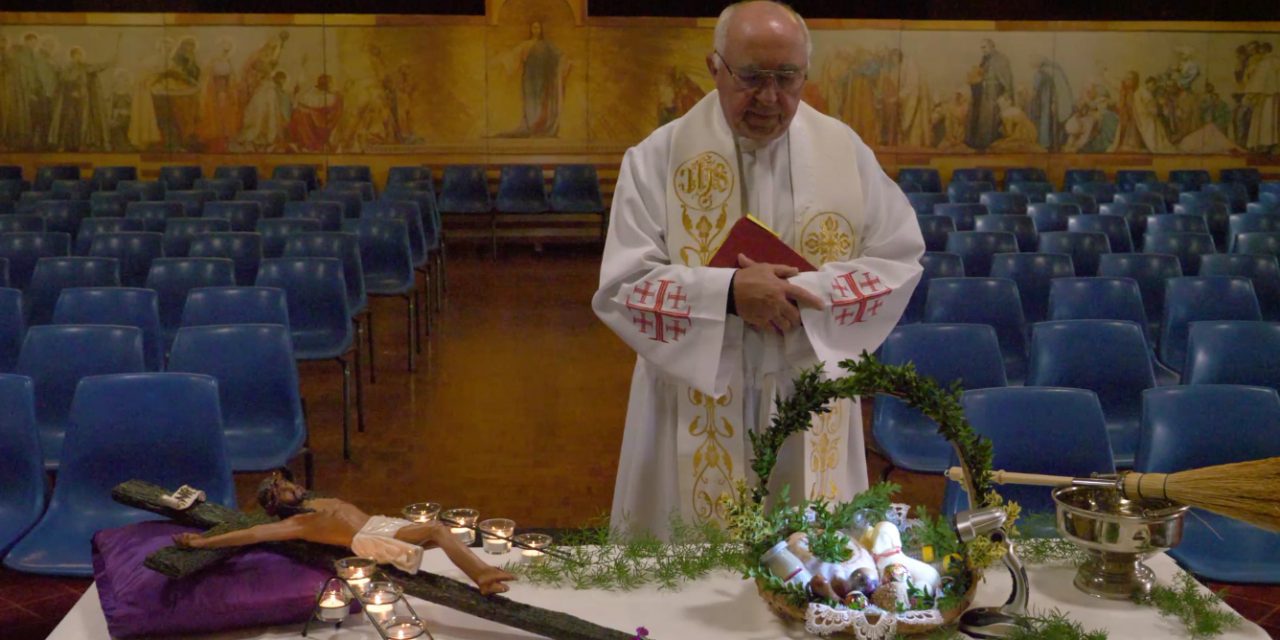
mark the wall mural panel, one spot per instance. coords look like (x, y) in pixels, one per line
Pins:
(535, 80)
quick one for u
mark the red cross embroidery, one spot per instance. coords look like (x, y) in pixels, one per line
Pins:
(666, 319)
(854, 300)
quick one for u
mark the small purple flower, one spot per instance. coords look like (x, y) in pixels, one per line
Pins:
(641, 633)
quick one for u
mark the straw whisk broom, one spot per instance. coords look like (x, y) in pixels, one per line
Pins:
(1246, 491)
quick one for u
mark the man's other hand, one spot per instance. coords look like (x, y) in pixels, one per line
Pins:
(765, 300)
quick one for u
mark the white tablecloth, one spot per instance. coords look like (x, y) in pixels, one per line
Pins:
(722, 606)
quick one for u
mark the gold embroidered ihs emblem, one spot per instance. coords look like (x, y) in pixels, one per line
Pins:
(712, 462)
(827, 237)
(703, 183)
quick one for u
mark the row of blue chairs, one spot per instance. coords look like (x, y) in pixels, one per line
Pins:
(1059, 431)
(107, 178)
(1126, 181)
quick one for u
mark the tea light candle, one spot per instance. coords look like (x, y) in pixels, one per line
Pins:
(404, 627)
(421, 512)
(461, 523)
(333, 607)
(538, 542)
(381, 597)
(358, 585)
(496, 533)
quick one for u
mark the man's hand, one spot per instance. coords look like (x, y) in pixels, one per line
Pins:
(493, 580)
(189, 540)
(765, 300)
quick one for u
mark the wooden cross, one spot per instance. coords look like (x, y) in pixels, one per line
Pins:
(177, 562)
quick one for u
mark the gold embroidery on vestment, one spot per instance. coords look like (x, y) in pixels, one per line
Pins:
(828, 237)
(712, 462)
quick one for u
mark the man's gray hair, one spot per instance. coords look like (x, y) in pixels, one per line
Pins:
(722, 27)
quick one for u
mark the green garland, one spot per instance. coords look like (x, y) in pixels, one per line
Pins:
(1196, 610)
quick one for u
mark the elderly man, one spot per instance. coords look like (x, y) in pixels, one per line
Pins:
(717, 345)
(335, 522)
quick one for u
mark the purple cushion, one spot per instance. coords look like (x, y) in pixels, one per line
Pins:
(251, 588)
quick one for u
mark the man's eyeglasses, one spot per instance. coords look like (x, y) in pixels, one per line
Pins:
(787, 80)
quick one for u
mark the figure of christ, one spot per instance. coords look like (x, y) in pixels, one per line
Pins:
(340, 523)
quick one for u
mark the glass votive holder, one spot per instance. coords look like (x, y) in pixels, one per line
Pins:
(532, 545)
(403, 627)
(421, 512)
(333, 604)
(380, 598)
(462, 523)
(356, 571)
(496, 534)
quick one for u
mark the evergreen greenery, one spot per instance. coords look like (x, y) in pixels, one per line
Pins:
(1196, 609)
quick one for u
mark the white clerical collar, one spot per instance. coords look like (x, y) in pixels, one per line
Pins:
(748, 145)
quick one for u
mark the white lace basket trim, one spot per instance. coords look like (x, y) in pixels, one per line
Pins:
(822, 620)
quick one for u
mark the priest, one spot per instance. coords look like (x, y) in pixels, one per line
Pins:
(717, 345)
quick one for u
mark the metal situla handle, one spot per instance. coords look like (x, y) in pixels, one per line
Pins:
(1037, 479)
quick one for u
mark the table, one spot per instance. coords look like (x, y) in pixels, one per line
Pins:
(721, 606)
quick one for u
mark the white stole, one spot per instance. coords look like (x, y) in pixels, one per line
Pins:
(704, 198)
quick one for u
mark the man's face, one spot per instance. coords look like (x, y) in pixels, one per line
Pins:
(987, 47)
(287, 493)
(757, 43)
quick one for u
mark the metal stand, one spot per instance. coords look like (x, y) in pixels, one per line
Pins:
(352, 595)
(993, 622)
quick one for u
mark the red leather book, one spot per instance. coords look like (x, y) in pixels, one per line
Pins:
(750, 237)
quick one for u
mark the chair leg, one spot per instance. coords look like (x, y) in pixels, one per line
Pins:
(359, 391)
(346, 408)
(411, 328)
(493, 233)
(373, 371)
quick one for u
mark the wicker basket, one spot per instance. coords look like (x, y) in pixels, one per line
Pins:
(787, 611)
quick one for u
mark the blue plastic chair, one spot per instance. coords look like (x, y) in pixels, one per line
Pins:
(1115, 228)
(222, 188)
(1100, 191)
(1233, 352)
(22, 480)
(351, 173)
(1087, 203)
(933, 228)
(1004, 203)
(305, 173)
(146, 190)
(936, 264)
(948, 353)
(1032, 272)
(408, 212)
(1098, 298)
(173, 278)
(46, 175)
(243, 215)
(271, 201)
(1270, 206)
(464, 189)
(329, 214)
(1237, 193)
(350, 200)
(319, 321)
(1134, 214)
(276, 231)
(973, 174)
(134, 249)
(1204, 425)
(22, 250)
(52, 275)
(387, 262)
(1149, 198)
(1259, 243)
(1022, 227)
(1128, 179)
(990, 301)
(1084, 248)
(180, 177)
(1073, 177)
(71, 189)
(92, 227)
(258, 391)
(1217, 218)
(180, 442)
(1188, 247)
(1199, 199)
(928, 179)
(923, 203)
(964, 214)
(246, 174)
(10, 172)
(10, 191)
(62, 215)
(242, 248)
(123, 306)
(13, 328)
(1040, 430)
(21, 224)
(1034, 191)
(1269, 191)
(1051, 216)
(910, 187)
(1192, 298)
(1251, 177)
(154, 215)
(961, 192)
(1170, 191)
(1116, 365)
(1150, 271)
(1249, 223)
(178, 233)
(109, 204)
(362, 187)
(575, 188)
(1190, 179)
(521, 189)
(106, 178)
(56, 357)
(193, 201)
(977, 247)
(344, 247)
(4, 272)
(33, 197)
(1014, 175)
(294, 190)
(235, 305)
(401, 175)
(1262, 270)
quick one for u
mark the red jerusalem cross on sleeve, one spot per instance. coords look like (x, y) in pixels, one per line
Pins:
(660, 310)
(856, 296)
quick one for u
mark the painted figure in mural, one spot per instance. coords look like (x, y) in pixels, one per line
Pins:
(1127, 138)
(366, 117)
(1184, 99)
(267, 115)
(406, 86)
(1214, 110)
(315, 115)
(177, 95)
(1081, 128)
(992, 78)
(259, 68)
(1051, 102)
(1019, 132)
(955, 116)
(888, 98)
(1146, 114)
(1262, 94)
(119, 109)
(683, 92)
(220, 114)
(13, 108)
(859, 104)
(543, 70)
(39, 80)
(79, 107)
(144, 123)
(916, 105)
(1241, 113)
